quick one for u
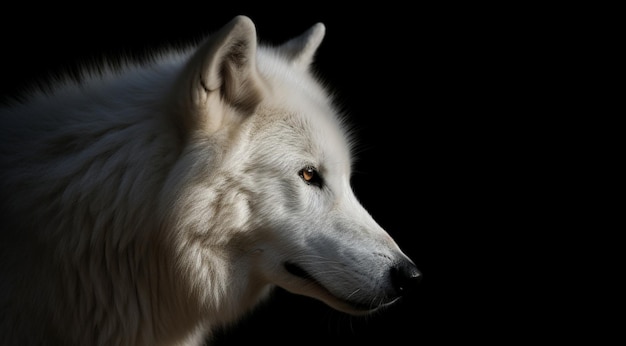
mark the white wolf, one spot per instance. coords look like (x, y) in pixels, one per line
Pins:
(151, 206)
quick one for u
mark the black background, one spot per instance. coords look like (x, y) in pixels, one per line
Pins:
(433, 93)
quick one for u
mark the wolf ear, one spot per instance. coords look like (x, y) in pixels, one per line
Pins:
(301, 49)
(222, 71)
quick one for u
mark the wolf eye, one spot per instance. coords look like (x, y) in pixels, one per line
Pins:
(311, 176)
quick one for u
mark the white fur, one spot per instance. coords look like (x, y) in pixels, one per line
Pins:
(152, 205)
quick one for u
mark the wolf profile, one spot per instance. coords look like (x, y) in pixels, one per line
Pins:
(152, 205)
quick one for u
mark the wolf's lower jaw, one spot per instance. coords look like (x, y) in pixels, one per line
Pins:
(358, 308)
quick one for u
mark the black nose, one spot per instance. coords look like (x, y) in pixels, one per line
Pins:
(405, 277)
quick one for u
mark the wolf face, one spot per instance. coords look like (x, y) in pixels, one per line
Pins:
(319, 241)
(286, 167)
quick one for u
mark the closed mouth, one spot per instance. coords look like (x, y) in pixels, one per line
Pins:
(300, 272)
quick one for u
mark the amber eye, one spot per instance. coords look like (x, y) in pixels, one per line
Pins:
(311, 176)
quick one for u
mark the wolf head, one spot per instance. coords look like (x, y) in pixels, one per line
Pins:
(262, 191)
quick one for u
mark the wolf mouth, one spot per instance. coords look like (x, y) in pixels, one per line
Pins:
(300, 272)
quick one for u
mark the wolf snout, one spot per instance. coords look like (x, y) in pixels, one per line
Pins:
(404, 277)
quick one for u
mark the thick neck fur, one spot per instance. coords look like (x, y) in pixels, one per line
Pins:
(90, 161)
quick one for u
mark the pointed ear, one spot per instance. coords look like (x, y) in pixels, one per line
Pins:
(300, 50)
(221, 73)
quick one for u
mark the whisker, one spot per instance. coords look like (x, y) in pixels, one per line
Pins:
(353, 292)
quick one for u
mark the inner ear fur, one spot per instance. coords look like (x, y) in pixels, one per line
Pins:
(221, 72)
